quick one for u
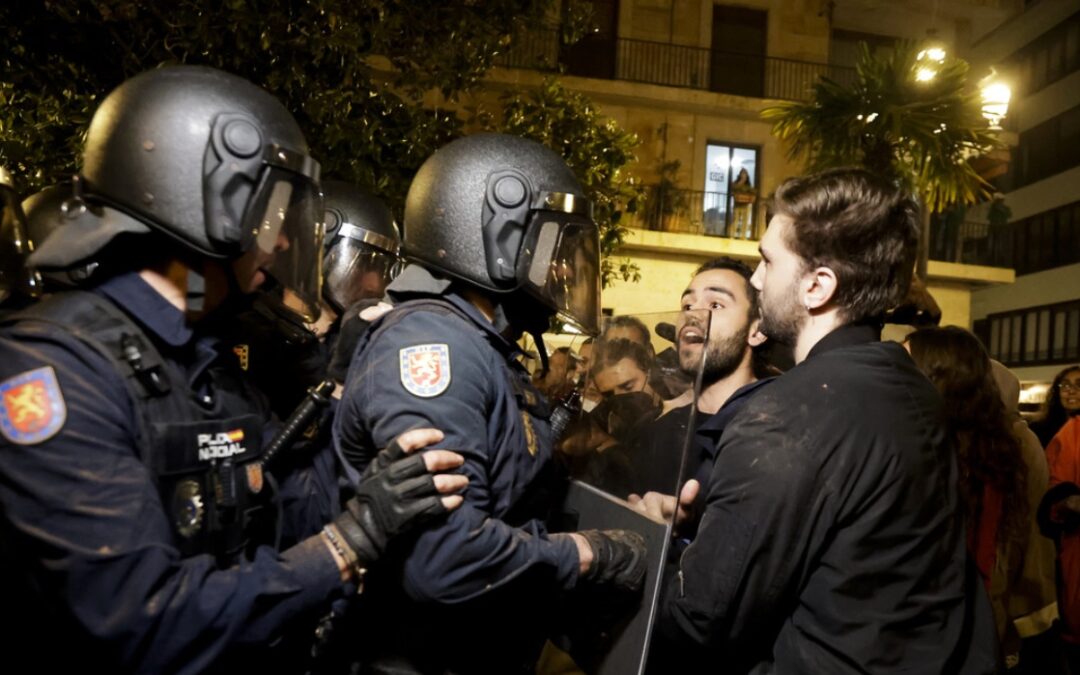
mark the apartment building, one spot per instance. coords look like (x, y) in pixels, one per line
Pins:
(691, 77)
(1033, 325)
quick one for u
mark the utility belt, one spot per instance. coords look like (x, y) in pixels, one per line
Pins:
(206, 466)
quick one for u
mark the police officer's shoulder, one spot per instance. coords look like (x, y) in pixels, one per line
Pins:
(430, 349)
(435, 320)
(42, 373)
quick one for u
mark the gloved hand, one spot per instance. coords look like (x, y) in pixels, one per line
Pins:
(618, 559)
(396, 494)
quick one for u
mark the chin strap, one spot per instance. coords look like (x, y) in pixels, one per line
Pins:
(525, 315)
(541, 351)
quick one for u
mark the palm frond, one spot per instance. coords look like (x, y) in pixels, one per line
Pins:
(920, 132)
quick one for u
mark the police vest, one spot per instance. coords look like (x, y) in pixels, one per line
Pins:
(202, 454)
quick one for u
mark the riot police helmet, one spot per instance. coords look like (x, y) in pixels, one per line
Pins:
(58, 207)
(507, 215)
(214, 164)
(362, 245)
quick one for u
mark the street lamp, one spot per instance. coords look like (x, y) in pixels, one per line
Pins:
(995, 101)
(936, 54)
(927, 63)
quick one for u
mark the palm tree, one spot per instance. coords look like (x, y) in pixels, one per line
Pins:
(909, 115)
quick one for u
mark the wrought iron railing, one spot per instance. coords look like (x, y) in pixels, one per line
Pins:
(714, 214)
(671, 65)
(718, 214)
(969, 242)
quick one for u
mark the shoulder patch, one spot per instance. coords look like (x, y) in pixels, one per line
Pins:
(425, 369)
(32, 408)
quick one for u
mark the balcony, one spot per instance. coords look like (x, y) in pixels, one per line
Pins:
(713, 214)
(671, 65)
(968, 243)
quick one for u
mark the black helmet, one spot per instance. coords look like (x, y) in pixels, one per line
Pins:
(362, 245)
(58, 207)
(16, 278)
(506, 214)
(215, 163)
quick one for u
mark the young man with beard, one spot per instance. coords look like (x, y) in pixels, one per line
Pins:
(721, 286)
(831, 540)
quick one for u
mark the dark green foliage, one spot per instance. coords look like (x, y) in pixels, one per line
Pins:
(597, 149)
(353, 72)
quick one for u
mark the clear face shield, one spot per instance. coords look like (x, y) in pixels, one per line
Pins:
(564, 270)
(285, 213)
(358, 266)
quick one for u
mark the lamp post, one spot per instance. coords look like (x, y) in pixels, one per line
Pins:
(995, 106)
(995, 101)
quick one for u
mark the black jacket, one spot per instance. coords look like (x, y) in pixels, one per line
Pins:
(832, 540)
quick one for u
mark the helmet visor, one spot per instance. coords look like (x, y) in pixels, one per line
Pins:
(286, 214)
(564, 272)
(357, 271)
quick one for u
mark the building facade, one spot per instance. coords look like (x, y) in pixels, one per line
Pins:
(690, 78)
(1033, 325)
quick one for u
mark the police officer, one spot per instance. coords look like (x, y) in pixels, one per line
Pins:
(502, 239)
(140, 529)
(283, 355)
(363, 246)
(19, 284)
(363, 255)
(55, 207)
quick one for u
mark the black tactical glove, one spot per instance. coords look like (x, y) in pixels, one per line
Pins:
(618, 559)
(395, 494)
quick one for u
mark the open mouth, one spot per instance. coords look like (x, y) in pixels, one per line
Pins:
(691, 335)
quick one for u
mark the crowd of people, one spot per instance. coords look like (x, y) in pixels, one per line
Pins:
(247, 422)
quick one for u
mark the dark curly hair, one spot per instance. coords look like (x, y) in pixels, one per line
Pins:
(987, 451)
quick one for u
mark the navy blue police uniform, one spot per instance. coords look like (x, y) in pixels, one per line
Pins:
(281, 358)
(475, 590)
(139, 528)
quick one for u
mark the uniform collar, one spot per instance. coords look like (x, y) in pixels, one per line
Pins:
(147, 307)
(416, 282)
(847, 335)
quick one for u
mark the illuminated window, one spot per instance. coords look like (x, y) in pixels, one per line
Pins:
(731, 191)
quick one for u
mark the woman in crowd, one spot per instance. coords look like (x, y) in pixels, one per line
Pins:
(1000, 484)
(1060, 516)
(1062, 402)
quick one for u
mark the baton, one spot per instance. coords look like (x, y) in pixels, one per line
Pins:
(318, 397)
